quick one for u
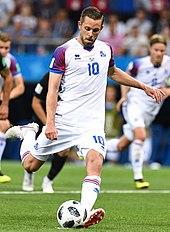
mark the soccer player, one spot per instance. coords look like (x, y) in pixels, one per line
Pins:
(57, 162)
(5, 87)
(17, 90)
(138, 109)
(76, 107)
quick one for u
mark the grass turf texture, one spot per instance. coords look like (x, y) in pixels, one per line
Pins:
(134, 211)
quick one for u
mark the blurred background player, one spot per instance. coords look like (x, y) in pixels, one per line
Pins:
(17, 90)
(57, 162)
(5, 88)
(138, 110)
(38, 105)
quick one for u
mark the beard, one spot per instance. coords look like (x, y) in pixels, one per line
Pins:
(87, 42)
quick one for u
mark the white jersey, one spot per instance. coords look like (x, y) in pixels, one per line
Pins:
(13, 66)
(143, 70)
(139, 110)
(82, 91)
(80, 112)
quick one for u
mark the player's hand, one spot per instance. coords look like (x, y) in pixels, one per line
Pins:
(166, 90)
(154, 93)
(119, 103)
(4, 110)
(51, 132)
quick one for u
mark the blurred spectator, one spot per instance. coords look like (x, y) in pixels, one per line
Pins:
(46, 8)
(7, 8)
(144, 4)
(29, 21)
(141, 20)
(15, 29)
(135, 44)
(113, 22)
(44, 28)
(158, 5)
(102, 5)
(62, 26)
(113, 33)
(166, 33)
(44, 32)
(74, 8)
(163, 21)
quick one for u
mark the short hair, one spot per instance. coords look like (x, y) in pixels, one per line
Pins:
(156, 38)
(5, 37)
(93, 13)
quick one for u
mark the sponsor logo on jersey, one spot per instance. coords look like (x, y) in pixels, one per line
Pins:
(77, 57)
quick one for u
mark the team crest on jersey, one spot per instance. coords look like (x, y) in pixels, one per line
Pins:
(102, 54)
(36, 146)
(77, 57)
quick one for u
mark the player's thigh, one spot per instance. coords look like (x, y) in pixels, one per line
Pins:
(92, 140)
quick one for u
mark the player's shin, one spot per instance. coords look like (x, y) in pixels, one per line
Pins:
(90, 191)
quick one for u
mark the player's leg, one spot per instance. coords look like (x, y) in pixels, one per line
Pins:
(117, 145)
(28, 181)
(57, 164)
(137, 156)
(91, 187)
(26, 133)
(4, 125)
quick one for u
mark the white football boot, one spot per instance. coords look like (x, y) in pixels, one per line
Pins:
(19, 131)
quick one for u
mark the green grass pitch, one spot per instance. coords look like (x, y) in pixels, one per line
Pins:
(126, 209)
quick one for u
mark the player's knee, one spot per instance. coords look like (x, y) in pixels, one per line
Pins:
(32, 164)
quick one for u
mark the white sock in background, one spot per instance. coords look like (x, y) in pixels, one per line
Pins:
(137, 158)
(2, 145)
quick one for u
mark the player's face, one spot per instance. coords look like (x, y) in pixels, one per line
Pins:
(89, 31)
(4, 48)
(157, 52)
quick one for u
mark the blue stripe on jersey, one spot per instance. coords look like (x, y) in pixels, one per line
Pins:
(56, 71)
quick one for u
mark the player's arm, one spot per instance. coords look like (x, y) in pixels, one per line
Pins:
(123, 78)
(124, 91)
(51, 104)
(18, 88)
(38, 109)
(7, 76)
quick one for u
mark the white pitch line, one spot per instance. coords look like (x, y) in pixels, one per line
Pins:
(144, 191)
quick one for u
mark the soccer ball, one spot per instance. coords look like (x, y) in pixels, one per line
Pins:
(71, 214)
